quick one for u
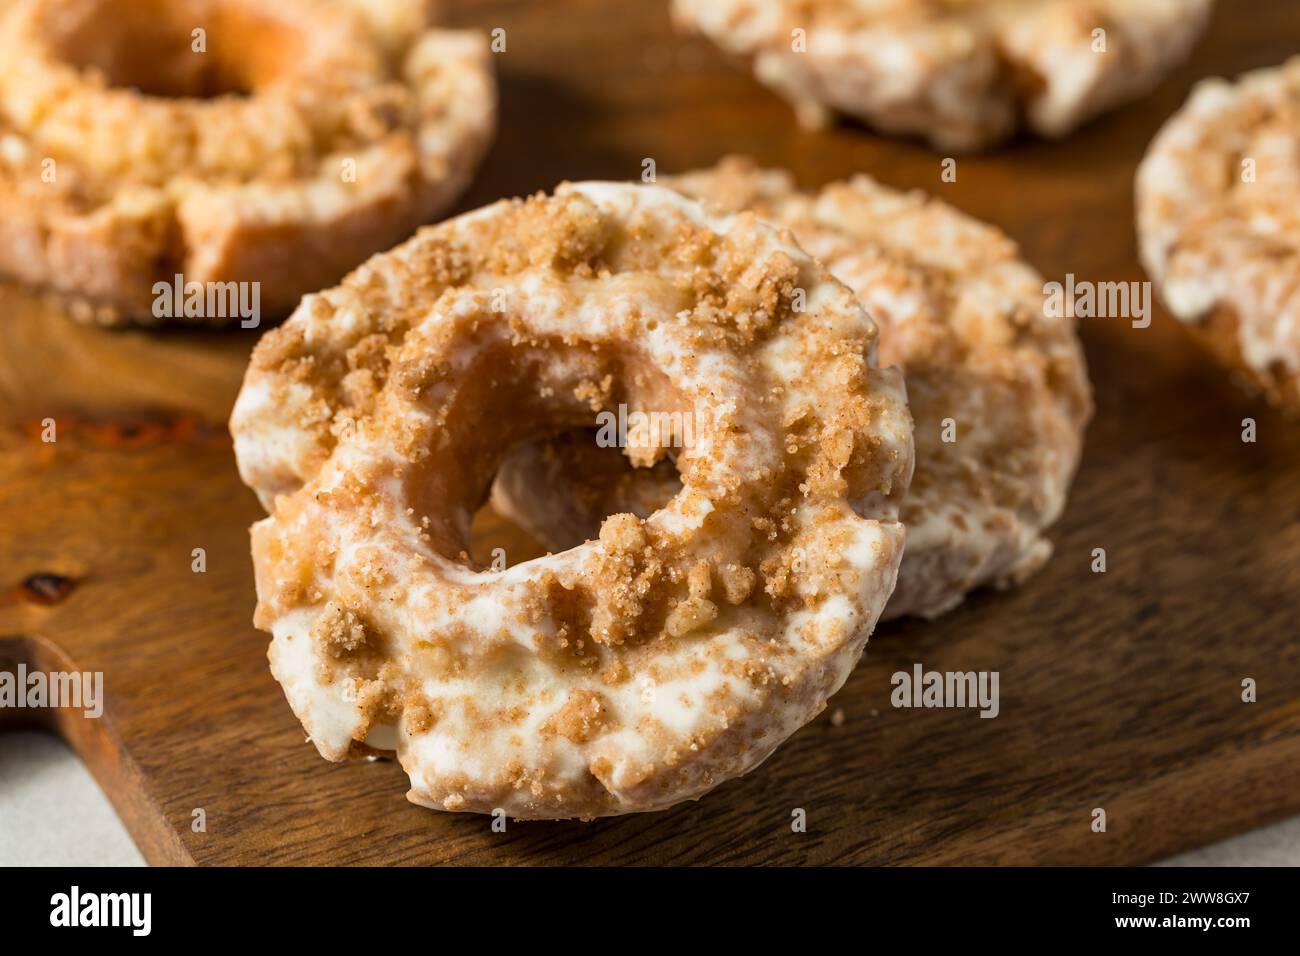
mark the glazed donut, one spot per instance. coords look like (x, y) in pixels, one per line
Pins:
(960, 72)
(226, 141)
(1218, 202)
(639, 669)
(963, 315)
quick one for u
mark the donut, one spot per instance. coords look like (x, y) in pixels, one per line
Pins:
(636, 670)
(225, 141)
(1218, 218)
(986, 366)
(962, 73)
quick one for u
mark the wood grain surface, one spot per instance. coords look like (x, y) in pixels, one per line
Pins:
(1119, 690)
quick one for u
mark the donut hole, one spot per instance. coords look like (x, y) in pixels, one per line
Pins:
(149, 46)
(570, 483)
(495, 541)
(512, 395)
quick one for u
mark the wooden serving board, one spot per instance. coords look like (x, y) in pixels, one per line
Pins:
(1119, 690)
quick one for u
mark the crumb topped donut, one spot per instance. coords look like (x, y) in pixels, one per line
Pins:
(1218, 202)
(226, 141)
(998, 389)
(636, 670)
(962, 73)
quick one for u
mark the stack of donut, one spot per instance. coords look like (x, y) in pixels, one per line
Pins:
(705, 598)
(642, 667)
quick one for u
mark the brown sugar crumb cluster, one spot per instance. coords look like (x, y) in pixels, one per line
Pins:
(673, 650)
(341, 631)
(581, 718)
